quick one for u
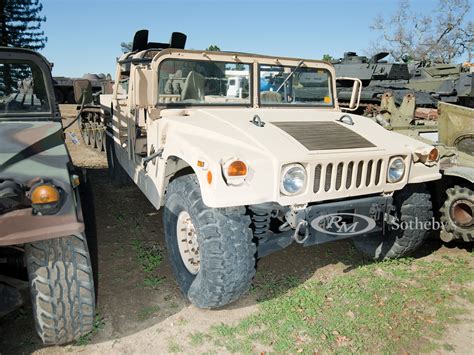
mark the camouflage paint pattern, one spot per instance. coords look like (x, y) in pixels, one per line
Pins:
(32, 149)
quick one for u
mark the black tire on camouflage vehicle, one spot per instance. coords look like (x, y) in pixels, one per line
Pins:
(62, 288)
(413, 203)
(211, 249)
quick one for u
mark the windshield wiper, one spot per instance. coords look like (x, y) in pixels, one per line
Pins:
(290, 75)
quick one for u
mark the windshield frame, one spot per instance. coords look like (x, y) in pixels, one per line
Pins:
(25, 55)
(245, 58)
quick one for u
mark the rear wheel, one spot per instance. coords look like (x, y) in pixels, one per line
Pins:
(413, 209)
(99, 136)
(62, 288)
(211, 249)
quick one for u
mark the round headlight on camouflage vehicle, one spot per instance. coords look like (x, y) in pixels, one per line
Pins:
(396, 170)
(293, 179)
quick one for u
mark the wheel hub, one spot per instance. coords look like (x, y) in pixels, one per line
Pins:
(188, 243)
(462, 212)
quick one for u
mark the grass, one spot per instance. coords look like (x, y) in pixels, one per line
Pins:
(174, 347)
(197, 338)
(153, 281)
(98, 325)
(149, 255)
(147, 312)
(390, 307)
(266, 285)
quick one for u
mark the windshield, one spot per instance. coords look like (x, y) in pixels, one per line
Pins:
(22, 88)
(196, 82)
(298, 85)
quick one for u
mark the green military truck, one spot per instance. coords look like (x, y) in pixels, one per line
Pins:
(41, 223)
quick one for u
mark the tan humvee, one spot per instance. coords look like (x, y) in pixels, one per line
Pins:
(245, 172)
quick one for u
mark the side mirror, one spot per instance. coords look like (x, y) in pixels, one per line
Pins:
(356, 92)
(83, 88)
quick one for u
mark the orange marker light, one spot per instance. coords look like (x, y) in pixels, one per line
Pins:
(237, 168)
(44, 194)
(434, 154)
(327, 100)
(209, 177)
(200, 164)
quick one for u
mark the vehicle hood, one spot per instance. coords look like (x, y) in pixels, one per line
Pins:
(293, 133)
(32, 149)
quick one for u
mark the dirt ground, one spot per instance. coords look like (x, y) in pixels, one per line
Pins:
(143, 312)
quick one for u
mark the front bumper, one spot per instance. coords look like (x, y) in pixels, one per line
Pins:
(344, 219)
(21, 226)
(327, 222)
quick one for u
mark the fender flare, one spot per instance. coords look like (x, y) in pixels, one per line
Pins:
(462, 172)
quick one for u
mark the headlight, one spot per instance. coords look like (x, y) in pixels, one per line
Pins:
(45, 198)
(293, 179)
(396, 170)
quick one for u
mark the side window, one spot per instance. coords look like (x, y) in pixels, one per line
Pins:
(123, 82)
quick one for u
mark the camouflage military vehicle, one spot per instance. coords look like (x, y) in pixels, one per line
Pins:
(453, 135)
(239, 177)
(429, 84)
(64, 86)
(41, 223)
(377, 77)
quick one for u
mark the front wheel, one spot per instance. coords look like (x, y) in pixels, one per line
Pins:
(62, 288)
(211, 249)
(414, 213)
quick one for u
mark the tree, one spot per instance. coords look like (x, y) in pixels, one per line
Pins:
(437, 35)
(328, 57)
(20, 23)
(125, 46)
(213, 48)
(20, 26)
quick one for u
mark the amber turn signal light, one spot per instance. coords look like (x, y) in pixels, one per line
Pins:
(237, 168)
(433, 155)
(42, 194)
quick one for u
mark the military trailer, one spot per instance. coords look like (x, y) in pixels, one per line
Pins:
(240, 177)
(41, 222)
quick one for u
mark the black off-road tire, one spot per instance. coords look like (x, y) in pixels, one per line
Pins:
(227, 252)
(61, 287)
(455, 195)
(412, 202)
(117, 173)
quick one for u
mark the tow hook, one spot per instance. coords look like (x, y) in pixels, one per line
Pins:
(301, 232)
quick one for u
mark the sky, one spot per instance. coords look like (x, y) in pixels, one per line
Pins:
(84, 36)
